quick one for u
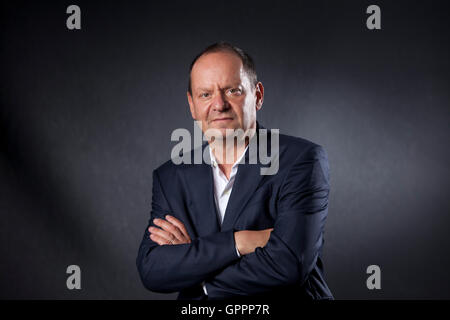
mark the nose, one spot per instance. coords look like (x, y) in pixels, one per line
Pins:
(219, 103)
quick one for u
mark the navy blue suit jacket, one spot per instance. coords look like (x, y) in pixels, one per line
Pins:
(294, 202)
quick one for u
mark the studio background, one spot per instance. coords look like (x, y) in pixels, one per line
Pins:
(86, 116)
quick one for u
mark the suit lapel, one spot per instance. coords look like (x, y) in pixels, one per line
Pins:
(248, 178)
(200, 187)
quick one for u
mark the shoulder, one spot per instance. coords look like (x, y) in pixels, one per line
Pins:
(182, 161)
(304, 162)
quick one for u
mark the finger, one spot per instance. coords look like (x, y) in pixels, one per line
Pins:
(160, 241)
(167, 236)
(178, 224)
(167, 226)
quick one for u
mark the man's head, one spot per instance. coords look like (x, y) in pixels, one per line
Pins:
(224, 92)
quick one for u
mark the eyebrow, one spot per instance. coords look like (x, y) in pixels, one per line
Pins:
(227, 87)
(203, 89)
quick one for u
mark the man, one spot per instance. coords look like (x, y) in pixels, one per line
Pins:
(221, 229)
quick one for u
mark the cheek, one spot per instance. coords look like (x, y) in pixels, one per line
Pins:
(240, 106)
(201, 111)
(250, 101)
(249, 107)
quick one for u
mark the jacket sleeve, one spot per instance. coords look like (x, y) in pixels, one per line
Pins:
(296, 240)
(171, 268)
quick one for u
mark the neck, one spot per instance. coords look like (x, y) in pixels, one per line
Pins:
(225, 154)
(228, 149)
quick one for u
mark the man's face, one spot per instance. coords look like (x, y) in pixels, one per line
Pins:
(222, 95)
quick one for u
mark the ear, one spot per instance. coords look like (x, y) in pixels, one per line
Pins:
(191, 105)
(259, 91)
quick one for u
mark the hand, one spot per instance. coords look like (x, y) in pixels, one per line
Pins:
(248, 240)
(172, 231)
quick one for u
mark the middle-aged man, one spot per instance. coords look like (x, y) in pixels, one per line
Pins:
(222, 229)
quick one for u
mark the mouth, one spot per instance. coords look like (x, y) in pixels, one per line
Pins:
(222, 119)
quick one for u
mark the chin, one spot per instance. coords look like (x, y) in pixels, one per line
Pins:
(223, 131)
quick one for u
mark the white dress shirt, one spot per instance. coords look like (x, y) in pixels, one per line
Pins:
(222, 188)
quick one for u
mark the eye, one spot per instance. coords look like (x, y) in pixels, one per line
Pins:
(204, 95)
(235, 91)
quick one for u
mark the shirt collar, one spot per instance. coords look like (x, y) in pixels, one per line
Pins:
(214, 162)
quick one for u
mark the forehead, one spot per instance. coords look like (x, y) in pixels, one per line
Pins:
(217, 68)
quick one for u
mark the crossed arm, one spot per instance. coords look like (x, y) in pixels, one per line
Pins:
(269, 258)
(172, 231)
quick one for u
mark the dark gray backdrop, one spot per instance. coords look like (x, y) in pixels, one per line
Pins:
(87, 115)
